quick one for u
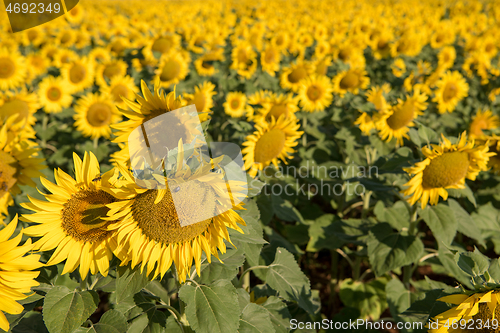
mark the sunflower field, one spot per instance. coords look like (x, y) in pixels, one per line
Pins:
(368, 137)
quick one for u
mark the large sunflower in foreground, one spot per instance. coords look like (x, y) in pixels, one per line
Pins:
(151, 232)
(446, 166)
(270, 143)
(396, 121)
(71, 221)
(471, 313)
(451, 89)
(94, 114)
(16, 275)
(315, 93)
(13, 69)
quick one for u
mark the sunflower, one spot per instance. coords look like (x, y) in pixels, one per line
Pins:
(365, 123)
(398, 67)
(152, 105)
(261, 97)
(270, 143)
(174, 225)
(483, 120)
(469, 308)
(94, 114)
(451, 89)
(315, 93)
(290, 77)
(22, 105)
(244, 59)
(53, 94)
(322, 65)
(275, 106)
(204, 64)
(118, 87)
(270, 59)
(350, 81)
(446, 166)
(446, 57)
(236, 105)
(13, 69)
(37, 65)
(18, 164)
(110, 69)
(16, 271)
(202, 98)
(72, 220)
(79, 74)
(99, 55)
(397, 120)
(161, 45)
(493, 141)
(376, 96)
(173, 68)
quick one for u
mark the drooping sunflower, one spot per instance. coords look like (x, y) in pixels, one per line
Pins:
(173, 68)
(446, 166)
(108, 70)
(202, 98)
(315, 93)
(395, 122)
(73, 219)
(53, 94)
(16, 271)
(18, 164)
(451, 89)
(236, 105)
(483, 120)
(13, 69)
(351, 80)
(120, 86)
(190, 214)
(276, 105)
(79, 74)
(469, 308)
(270, 143)
(94, 114)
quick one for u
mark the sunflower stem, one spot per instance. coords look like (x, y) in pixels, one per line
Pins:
(247, 271)
(412, 230)
(366, 204)
(171, 309)
(96, 143)
(304, 139)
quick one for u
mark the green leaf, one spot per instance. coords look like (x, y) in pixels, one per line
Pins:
(388, 250)
(129, 282)
(255, 319)
(367, 297)
(494, 270)
(211, 309)
(463, 192)
(32, 322)
(447, 260)
(284, 276)
(397, 215)
(399, 299)
(426, 134)
(472, 263)
(284, 210)
(65, 310)
(278, 312)
(441, 220)
(322, 234)
(225, 270)
(415, 137)
(466, 224)
(112, 321)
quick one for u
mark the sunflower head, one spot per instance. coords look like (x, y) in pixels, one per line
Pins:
(483, 120)
(446, 166)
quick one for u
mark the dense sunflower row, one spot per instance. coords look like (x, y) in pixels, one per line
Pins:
(96, 66)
